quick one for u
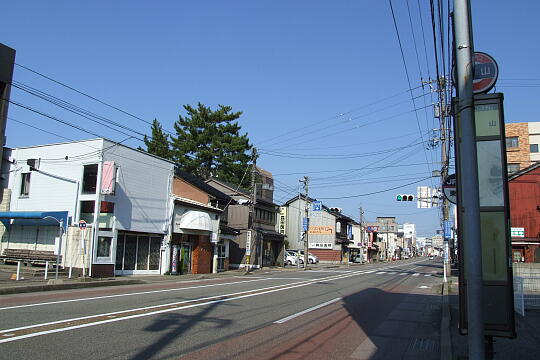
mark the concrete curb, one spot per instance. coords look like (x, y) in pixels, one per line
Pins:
(446, 340)
(38, 288)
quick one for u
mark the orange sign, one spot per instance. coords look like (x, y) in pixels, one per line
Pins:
(321, 230)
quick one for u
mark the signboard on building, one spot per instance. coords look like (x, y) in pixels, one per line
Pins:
(372, 228)
(517, 232)
(321, 230)
(282, 220)
(248, 243)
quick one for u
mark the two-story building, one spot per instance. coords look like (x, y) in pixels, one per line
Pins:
(200, 232)
(264, 242)
(112, 202)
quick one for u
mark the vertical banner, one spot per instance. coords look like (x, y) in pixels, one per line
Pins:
(174, 263)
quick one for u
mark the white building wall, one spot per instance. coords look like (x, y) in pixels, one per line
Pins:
(319, 218)
(142, 189)
(534, 138)
(55, 187)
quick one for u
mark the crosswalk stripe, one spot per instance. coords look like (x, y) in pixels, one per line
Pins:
(416, 274)
(381, 272)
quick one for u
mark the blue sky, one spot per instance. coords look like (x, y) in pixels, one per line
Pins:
(318, 79)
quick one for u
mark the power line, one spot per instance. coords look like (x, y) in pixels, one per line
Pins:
(348, 169)
(374, 192)
(407, 75)
(84, 94)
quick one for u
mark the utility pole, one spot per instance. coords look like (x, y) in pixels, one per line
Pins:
(443, 113)
(306, 236)
(362, 232)
(250, 234)
(468, 177)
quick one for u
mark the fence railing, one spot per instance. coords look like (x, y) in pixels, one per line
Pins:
(526, 293)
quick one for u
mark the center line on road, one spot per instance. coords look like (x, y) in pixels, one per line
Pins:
(290, 317)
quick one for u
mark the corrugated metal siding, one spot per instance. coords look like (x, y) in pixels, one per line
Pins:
(524, 199)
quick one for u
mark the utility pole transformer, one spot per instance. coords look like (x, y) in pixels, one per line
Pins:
(468, 177)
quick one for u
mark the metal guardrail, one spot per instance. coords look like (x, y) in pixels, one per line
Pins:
(526, 293)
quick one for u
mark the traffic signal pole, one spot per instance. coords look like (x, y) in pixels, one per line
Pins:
(468, 179)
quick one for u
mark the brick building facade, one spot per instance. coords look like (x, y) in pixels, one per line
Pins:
(517, 146)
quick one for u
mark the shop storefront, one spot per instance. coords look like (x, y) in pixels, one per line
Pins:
(195, 235)
(137, 253)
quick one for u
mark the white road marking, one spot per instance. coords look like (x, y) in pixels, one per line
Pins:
(403, 274)
(131, 294)
(232, 296)
(169, 307)
(391, 273)
(290, 317)
(416, 274)
(380, 272)
(427, 274)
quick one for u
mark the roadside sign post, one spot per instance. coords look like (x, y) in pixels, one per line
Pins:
(82, 227)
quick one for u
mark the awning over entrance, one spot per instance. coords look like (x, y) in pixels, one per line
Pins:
(35, 218)
(195, 220)
(271, 235)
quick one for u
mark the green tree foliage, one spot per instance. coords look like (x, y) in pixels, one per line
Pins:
(159, 143)
(208, 143)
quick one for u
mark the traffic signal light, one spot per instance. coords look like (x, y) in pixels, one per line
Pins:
(404, 197)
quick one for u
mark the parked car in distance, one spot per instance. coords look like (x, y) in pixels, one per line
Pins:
(299, 257)
(312, 259)
(291, 258)
(358, 259)
(431, 257)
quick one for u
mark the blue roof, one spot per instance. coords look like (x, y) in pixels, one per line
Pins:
(9, 218)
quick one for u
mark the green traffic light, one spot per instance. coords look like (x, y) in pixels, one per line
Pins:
(399, 198)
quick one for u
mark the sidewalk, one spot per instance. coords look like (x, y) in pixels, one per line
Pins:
(524, 346)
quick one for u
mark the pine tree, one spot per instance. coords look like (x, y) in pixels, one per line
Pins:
(209, 143)
(159, 143)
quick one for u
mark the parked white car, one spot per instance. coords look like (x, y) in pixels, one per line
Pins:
(312, 259)
(291, 258)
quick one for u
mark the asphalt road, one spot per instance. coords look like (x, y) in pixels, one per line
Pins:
(387, 310)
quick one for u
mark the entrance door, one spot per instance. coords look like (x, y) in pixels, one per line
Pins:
(185, 258)
(220, 257)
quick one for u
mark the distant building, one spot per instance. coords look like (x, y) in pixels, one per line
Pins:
(522, 145)
(524, 194)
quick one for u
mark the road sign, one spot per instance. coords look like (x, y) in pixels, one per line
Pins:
(317, 206)
(305, 224)
(82, 225)
(486, 73)
(448, 229)
(449, 188)
(372, 228)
